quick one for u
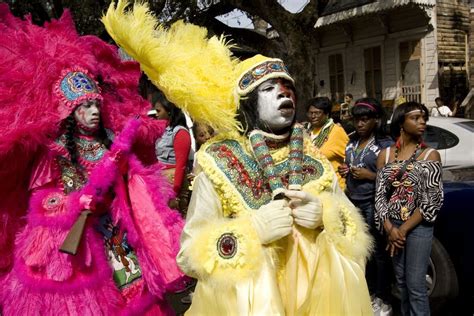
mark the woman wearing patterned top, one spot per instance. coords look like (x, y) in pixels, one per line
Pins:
(408, 197)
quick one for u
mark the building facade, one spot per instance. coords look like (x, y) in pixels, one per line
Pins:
(387, 49)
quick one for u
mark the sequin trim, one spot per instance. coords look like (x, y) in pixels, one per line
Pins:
(53, 203)
(241, 169)
(72, 178)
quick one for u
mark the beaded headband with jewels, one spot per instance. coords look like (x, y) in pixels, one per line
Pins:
(258, 69)
(74, 87)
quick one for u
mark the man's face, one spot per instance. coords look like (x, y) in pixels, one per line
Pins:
(276, 104)
(347, 99)
(88, 114)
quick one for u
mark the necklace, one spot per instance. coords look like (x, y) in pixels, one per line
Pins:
(406, 186)
(357, 153)
(397, 150)
(265, 161)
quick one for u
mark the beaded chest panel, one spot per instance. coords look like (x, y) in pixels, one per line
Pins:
(241, 169)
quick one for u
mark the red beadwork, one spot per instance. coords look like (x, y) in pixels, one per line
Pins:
(227, 245)
(257, 186)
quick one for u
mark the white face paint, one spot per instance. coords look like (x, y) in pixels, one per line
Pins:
(276, 104)
(87, 115)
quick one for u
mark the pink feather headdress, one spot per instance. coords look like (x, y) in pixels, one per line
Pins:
(34, 62)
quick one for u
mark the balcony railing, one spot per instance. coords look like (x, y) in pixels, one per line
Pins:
(412, 93)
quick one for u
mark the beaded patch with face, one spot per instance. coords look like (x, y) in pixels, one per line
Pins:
(227, 246)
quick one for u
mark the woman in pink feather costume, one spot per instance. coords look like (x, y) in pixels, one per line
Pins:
(58, 92)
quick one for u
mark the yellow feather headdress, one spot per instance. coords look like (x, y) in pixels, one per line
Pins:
(196, 73)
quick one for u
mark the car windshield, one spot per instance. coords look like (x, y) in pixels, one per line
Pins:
(469, 125)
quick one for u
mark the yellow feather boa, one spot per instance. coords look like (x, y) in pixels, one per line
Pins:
(194, 72)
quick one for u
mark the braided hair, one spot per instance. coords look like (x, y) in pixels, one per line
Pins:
(102, 136)
(70, 126)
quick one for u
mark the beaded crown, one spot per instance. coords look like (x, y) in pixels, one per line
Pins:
(75, 86)
(253, 71)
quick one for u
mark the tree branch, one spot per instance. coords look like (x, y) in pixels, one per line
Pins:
(310, 14)
(157, 5)
(269, 10)
(243, 36)
(215, 10)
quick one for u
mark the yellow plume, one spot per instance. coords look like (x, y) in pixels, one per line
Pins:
(194, 72)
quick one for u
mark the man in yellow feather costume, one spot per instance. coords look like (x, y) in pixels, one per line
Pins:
(268, 230)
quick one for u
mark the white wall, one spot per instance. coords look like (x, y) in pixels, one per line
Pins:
(335, 41)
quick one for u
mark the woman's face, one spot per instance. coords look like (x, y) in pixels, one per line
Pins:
(203, 134)
(415, 123)
(87, 114)
(365, 125)
(316, 116)
(161, 112)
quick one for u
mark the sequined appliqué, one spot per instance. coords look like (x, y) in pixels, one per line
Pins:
(53, 203)
(260, 71)
(227, 245)
(76, 84)
(88, 149)
(72, 178)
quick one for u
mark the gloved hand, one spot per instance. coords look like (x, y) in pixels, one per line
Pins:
(307, 209)
(273, 221)
(87, 202)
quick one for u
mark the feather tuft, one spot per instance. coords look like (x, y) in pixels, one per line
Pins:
(194, 72)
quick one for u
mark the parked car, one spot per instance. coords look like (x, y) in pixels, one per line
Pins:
(454, 139)
(450, 277)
